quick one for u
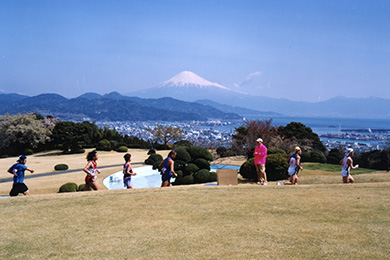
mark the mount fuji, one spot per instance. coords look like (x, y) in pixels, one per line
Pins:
(186, 86)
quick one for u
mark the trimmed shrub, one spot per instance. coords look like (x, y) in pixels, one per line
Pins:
(122, 149)
(190, 169)
(151, 151)
(61, 167)
(317, 156)
(81, 187)
(248, 169)
(202, 163)
(153, 158)
(179, 165)
(114, 144)
(276, 151)
(199, 152)
(213, 177)
(28, 151)
(181, 143)
(276, 167)
(221, 151)
(188, 179)
(202, 176)
(182, 154)
(68, 187)
(104, 145)
(334, 156)
(155, 165)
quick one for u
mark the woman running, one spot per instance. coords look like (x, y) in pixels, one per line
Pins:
(346, 166)
(91, 170)
(167, 169)
(295, 166)
(127, 172)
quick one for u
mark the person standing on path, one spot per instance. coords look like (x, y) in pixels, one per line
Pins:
(260, 154)
(167, 169)
(91, 170)
(346, 166)
(18, 170)
(128, 172)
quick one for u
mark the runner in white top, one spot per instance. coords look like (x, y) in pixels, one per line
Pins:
(346, 166)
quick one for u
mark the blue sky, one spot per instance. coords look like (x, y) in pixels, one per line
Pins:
(300, 50)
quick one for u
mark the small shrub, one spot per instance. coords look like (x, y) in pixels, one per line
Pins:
(153, 158)
(248, 169)
(68, 187)
(202, 176)
(317, 156)
(151, 151)
(213, 177)
(179, 165)
(191, 168)
(81, 187)
(199, 152)
(305, 157)
(182, 154)
(61, 167)
(188, 179)
(122, 149)
(276, 151)
(221, 151)
(202, 163)
(155, 165)
(276, 167)
(180, 143)
(104, 145)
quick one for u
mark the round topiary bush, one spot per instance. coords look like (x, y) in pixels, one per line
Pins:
(81, 187)
(182, 154)
(122, 149)
(202, 163)
(199, 152)
(213, 177)
(190, 169)
(61, 167)
(202, 176)
(188, 179)
(68, 187)
(305, 157)
(317, 156)
(276, 167)
(104, 145)
(276, 151)
(248, 169)
(151, 151)
(153, 158)
(179, 165)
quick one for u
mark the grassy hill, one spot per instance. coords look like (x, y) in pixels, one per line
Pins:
(199, 222)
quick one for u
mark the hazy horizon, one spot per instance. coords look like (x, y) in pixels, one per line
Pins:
(298, 50)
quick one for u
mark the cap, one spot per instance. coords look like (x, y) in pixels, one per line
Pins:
(297, 149)
(349, 151)
(22, 158)
(259, 140)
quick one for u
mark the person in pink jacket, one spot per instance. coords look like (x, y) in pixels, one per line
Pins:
(260, 158)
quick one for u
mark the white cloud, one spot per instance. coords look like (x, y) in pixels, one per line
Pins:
(249, 79)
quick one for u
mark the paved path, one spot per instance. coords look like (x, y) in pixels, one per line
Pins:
(62, 172)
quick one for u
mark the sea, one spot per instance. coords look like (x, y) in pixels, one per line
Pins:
(359, 132)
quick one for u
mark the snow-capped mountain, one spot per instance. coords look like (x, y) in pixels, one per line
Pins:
(185, 86)
(189, 79)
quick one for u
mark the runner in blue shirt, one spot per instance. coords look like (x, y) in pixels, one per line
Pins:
(18, 170)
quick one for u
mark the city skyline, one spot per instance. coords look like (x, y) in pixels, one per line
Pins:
(299, 50)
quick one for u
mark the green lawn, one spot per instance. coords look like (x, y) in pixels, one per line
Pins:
(333, 168)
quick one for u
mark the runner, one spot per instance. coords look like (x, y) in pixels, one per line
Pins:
(347, 165)
(18, 170)
(128, 172)
(91, 171)
(167, 169)
(295, 166)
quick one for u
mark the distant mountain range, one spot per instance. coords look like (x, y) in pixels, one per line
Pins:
(111, 107)
(186, 97)
(190, 87)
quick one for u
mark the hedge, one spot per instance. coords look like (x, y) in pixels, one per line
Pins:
(68, 187)
(61, 167)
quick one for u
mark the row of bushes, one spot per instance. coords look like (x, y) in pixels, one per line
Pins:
(192, 164)
(71, 187)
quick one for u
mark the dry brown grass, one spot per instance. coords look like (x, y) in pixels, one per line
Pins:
(243, 222)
